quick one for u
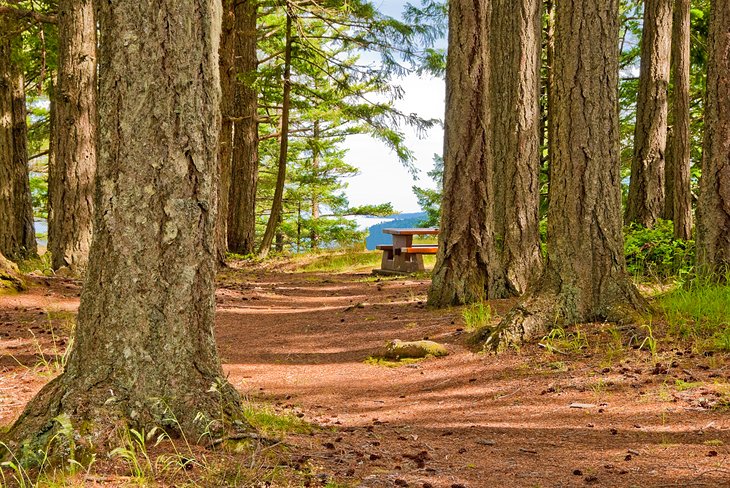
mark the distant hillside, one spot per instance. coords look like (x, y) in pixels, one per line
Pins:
(400, 221)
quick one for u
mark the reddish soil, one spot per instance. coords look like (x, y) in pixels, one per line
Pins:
(299, 341)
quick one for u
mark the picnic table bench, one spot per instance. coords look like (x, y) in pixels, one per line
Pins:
(403, 257)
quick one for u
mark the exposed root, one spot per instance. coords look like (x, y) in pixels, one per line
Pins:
(542, 310)
(10, 279)
(66, 422)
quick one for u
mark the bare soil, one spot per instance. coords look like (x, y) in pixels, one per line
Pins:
(606, 414)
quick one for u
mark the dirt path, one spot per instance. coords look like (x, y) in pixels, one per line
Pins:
(300, 342)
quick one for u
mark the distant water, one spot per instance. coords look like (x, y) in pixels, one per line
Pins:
(41, 232)
(376, 235)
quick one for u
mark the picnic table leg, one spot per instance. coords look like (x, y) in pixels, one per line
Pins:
(387, 261)
(400, 259)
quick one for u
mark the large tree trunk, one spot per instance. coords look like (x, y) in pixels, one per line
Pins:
(550, 85)
(242, 211)
(515, 90)
(144, 351)
(467, 261)
(17, 236)
(72, 170)
(278, 202)
(584, 279)
(315, 142)
(645, 204)
(713, 211)
(489, 245)
(679, 197)
(227, 59)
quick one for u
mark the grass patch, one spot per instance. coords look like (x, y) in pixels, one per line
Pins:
(389, 363)
(339, 261)
(271, 423)
(699, 313)
(476, 316)
(561, 341)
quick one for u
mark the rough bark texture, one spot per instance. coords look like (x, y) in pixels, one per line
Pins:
(645, 204)
(314, 142)
(17, 236)
(467, 261)
(227, 57)
(278, 202)
(144, 353)
(679, 193)
(713, 211)
(242, 211)
(516, 56)
(489, 243)
(585, 278)
(72, 170)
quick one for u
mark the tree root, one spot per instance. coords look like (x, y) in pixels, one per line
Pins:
(66, 421)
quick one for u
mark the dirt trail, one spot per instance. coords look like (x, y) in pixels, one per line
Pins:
(300, 342)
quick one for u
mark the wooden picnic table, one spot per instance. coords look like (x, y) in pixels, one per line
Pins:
(402, 257)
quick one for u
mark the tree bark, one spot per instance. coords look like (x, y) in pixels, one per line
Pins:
(72, 170)
(242, 211)
(227, 57)
(584, 279)
(550, 88)
(466, 264)
(713, 210)
(278, 202)
(515, 90)
(17, 235)
(144, 354)
(315, 142)
(489, 244)
(679, 193)
(645, 203)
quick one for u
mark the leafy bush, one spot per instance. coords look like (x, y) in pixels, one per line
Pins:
(656, 253)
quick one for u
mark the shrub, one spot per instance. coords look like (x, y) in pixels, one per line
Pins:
(656, 253)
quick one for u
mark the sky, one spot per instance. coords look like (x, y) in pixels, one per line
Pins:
(382, 177)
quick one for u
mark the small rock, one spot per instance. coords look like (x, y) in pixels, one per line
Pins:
(398, 349)
(581, 405)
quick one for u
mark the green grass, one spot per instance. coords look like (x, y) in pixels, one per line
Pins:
(270, 423)
(388, 363)
(476, 316)
(699, 313)
(339, 261)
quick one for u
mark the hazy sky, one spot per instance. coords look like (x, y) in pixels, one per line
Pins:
(382, 177)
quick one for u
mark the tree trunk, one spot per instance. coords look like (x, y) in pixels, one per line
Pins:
(144, 351)
(315, 142)
(278, 202)
(466, 264)
(227, 56)
(489, 244)
(242, 211)
(550, 48)
(713, 211)
(72, 170)
(679, 149)
(584, 279)
(17, 236)
(515, 90)
(645, 204)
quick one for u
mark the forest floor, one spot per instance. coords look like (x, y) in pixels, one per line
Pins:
(598, 411)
